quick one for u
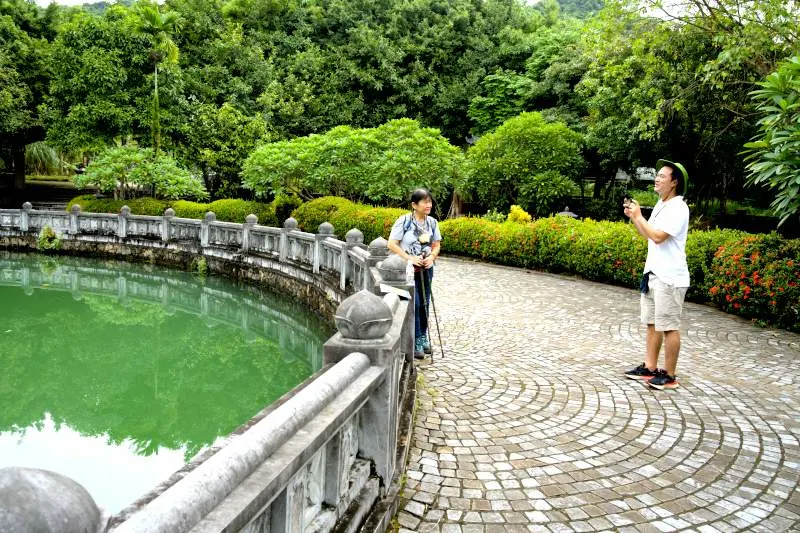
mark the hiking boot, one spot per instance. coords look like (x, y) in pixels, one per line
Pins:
(662, 381)
(640, 372)
(426, 345)
(419, 348)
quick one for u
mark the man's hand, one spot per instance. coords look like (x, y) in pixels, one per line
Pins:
(416, 260)
(632, 209)
(427, 262)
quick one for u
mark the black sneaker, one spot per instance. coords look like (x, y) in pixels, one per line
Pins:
(419, 355)
(662, 381)
(640, 372)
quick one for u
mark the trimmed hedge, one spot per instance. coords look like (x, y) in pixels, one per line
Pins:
(345, 215)
(230, 210)
(754, 276)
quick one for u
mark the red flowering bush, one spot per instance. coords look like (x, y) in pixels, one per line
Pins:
(758, 277)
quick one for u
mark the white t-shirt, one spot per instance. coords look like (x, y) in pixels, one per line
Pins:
(668, 259)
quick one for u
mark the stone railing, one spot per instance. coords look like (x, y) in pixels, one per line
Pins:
(325, 457)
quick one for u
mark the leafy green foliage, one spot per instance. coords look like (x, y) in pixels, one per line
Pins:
(518, 215)
(128, 171)
(41, 158)
(379, 164)
(504, 165)
(547, 193)
(48, 240)
(99, 89)
(345, 215)
(229, 210)
(774, 155)
(219, 140)
(758, 277)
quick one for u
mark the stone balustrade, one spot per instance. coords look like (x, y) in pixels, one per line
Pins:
(325, 457)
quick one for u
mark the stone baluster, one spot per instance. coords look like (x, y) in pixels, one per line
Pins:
(25, 217)
(353, 238)
(325, 231)
(74, 213)
(205, 228)
(122, 222)
(249, 221)
(169, 214)
(392, 271)
(288, 226)
(371, 325)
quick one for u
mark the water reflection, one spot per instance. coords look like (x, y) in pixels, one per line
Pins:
(149, 364)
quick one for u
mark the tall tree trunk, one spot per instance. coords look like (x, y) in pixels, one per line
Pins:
(156, 117)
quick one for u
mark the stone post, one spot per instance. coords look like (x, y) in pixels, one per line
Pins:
(122, 222)
(288, 226)
(205, 228)
(39, 500)
(392, 272)
(249, 221)
(166, 220)
(378, 251)
(74, 213)
(352, 239)
(325, 230)
(372, 325)
(25, 217)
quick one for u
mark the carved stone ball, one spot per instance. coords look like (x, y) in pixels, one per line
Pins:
(125, 211)
(379, 247)
(169, 212)
(210, 216)
(363, 316)
(251, 219)
(354, 236)
(75, 209)
(326, 228)
(393, 268)
(290, 223)
(46, 502)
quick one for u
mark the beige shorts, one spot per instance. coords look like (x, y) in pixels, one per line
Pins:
(662, 305)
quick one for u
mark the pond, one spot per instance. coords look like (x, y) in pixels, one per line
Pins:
(117, 374)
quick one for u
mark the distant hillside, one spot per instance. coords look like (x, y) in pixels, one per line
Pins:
(100, 7)
(580, 8)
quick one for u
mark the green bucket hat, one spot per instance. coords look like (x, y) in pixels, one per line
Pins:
(684, 184)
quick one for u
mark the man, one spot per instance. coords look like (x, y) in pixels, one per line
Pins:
(666, 274)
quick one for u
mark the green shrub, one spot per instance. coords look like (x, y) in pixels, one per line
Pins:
(285, 205)
(646, 198)
(547, 192)
(232, 210)
(758, 277)
(503, 165)
(493, 215)
(48, 240)
(518, 215)
(345, 215)
(187, 209)
(139, 206)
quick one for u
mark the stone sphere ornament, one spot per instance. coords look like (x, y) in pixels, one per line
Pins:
(363, 316)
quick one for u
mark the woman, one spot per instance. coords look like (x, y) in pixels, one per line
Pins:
(415, 237)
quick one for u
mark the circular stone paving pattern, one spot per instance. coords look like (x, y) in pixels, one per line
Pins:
(527, 423)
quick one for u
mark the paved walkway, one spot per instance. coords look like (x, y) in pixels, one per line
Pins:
(527, 424)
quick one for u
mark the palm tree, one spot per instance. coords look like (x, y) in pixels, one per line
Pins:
(159, 27)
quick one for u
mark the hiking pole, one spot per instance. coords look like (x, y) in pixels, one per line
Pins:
(422, 277)
(436, 321)
(435, 318)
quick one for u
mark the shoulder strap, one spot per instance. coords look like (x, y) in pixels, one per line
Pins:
(407, 223)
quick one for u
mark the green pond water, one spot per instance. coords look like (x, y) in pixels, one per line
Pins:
(117, 374)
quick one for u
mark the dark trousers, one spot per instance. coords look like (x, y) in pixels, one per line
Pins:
(422, 300)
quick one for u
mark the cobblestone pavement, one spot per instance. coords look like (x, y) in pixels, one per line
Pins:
(527, 423)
